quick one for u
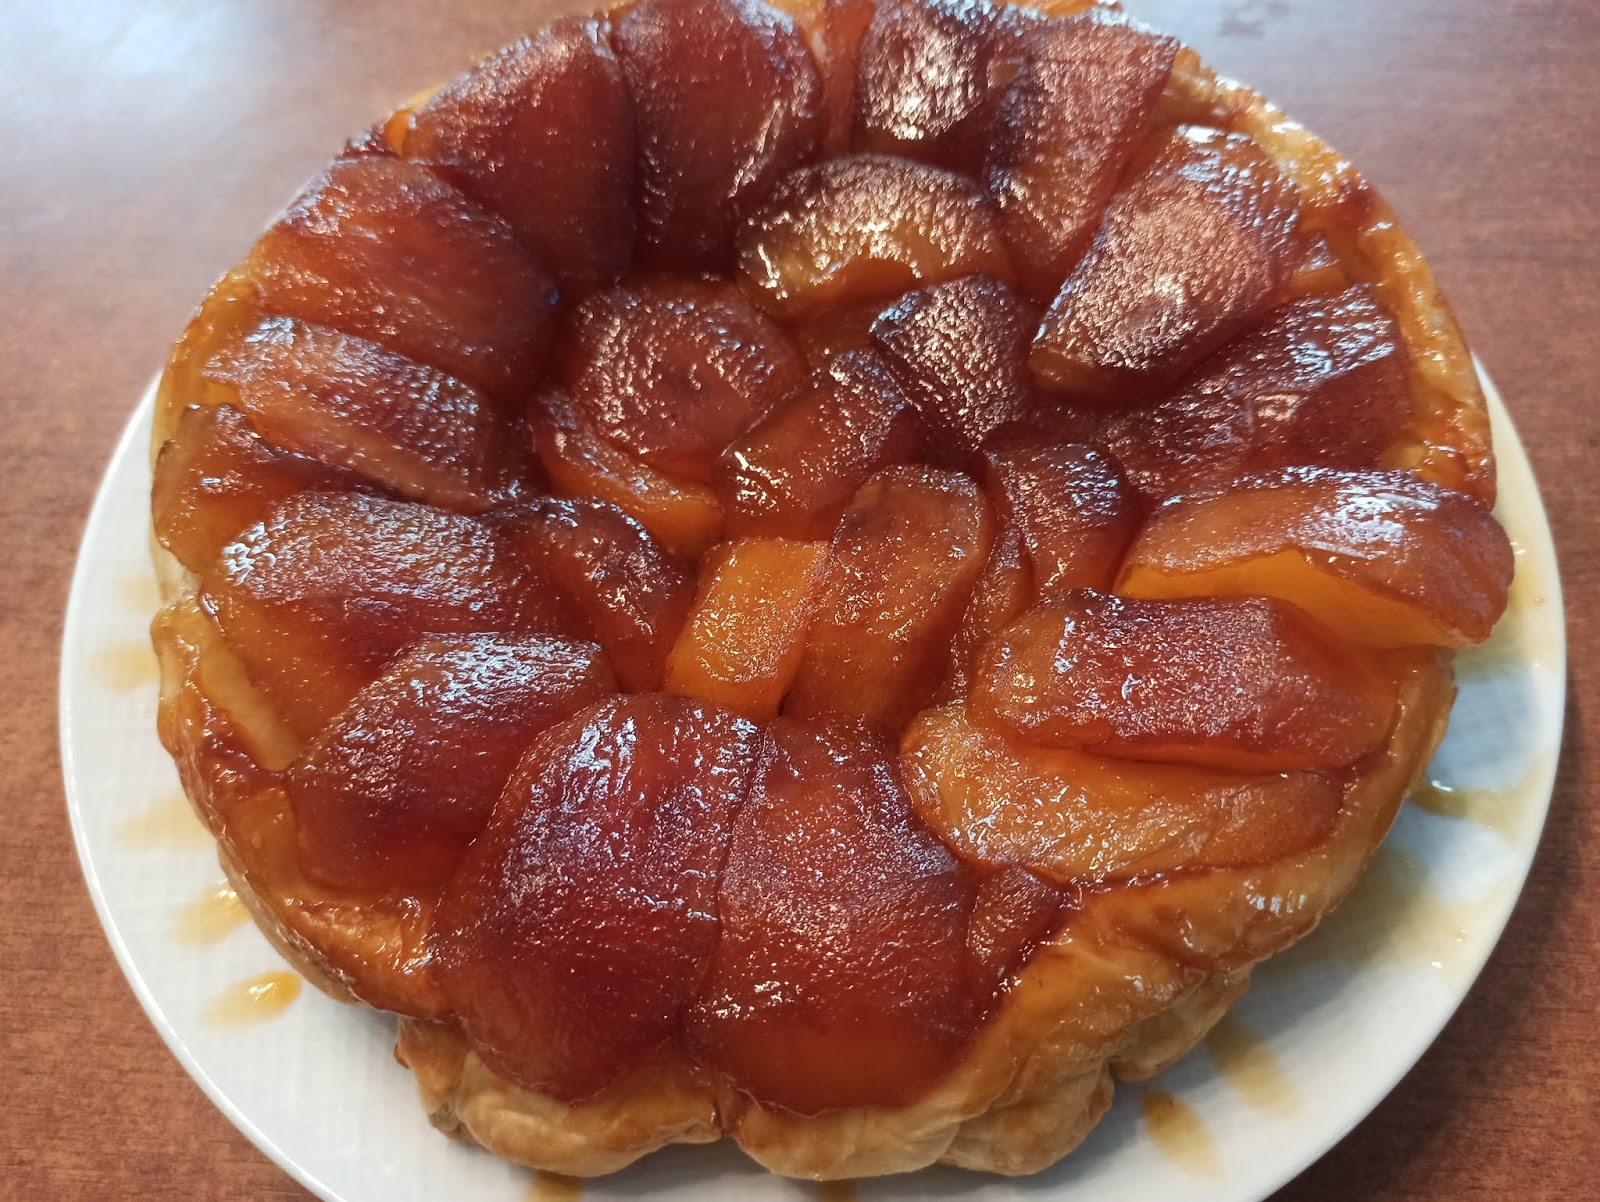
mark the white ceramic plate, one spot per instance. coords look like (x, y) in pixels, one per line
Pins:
(1323, 1035)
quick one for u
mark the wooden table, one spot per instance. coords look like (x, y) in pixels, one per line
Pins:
(143, 145)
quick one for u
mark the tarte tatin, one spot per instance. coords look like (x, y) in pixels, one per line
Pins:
(826, 575)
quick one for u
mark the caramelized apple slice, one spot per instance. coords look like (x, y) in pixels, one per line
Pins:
(741, 647)
(930, 75)
(388, 796)
(1065, 133)
(1245, 683)
(321, 593)
(684, 517)
(1191, 253)
(1077, 818)
(835, 984)
(1326, 382)
(216, 476)
(823, 338)
(584, 918)
(384, 249)
(1003, 591)
(794, 473)
(1385, 558)
(542, 134)
(675, 370)
(960, 348)
(834, 29)
(1074, 509)
(904, 561)
(351, 403)
(635, 595)
(1013, 910)
(727, 101)
(867, 228)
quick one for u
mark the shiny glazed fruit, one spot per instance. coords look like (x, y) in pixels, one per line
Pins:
(599, 867)
(834, 983)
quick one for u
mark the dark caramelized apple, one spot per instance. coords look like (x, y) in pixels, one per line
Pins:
(834, 983)
(584, 919)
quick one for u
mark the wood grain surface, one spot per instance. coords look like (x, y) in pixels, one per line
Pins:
(145, 142)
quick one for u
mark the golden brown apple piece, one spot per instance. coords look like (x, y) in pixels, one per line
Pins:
(635, 594)
(930, 74)
(905, 559)
(216, 476)
(384, 249)
(319, 595)
(833, 29)
(684, 517)
(388, 796)
(674, 370)
(1066, 131)
(541, 133)
(1385, 558)
(1003, 591)
(1013, 910)
(742, 644)
(1072, 505)
(1252, 684)
(1078, 818)
(1325, 382)
(727, 100)
(823, 338)
(960, 348)
(837, 981)
(866, 228)
(350, 403)
(1192, 252)
(794, 473)
(584, 919)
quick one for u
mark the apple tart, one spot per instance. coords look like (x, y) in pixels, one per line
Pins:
(831, 575)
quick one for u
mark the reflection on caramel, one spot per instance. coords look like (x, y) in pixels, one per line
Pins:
(836, 1191)
(209, 918)
(553, 1187)
(170, 822)
(254, 1000)
(1249, 1066)
(126, 666)
(1180, 1134)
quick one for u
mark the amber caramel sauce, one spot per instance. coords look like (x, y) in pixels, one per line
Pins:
(554, 1187)
(836, 1191)
(208, 918)
(126, 666)
(253, 1000)
(141, 592)
(1247, 1063)
(1180, 1134)
(167, 823)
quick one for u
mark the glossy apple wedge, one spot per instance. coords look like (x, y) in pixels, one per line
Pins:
(1073, 507)
(727, 99)
(1068, 127)
(673, 371)
(581, 924)
(350, 403)
(834, 983)
(1004, 590)
(683, 516)
(905, 559)
(1190, 253)
(541, 133)
(216, 477)
(1324, 382)
(384, 249)
(1076, 818)
(1012, 911)
(383, 798)
(1385, 558)
(792, 475)
(960, 350)
(930, 74)
(865, 228)
(741, 646)
(1251, 684)
(834, 30)
(635, 594)
(319, 595)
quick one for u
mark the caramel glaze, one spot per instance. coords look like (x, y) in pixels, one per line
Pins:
(553, 1187)
(253, 1000)
(1180, 1134)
